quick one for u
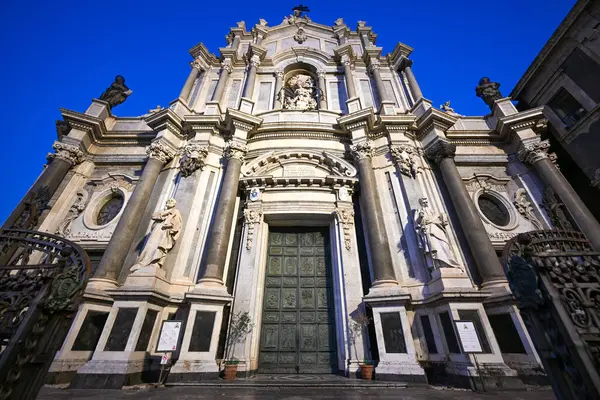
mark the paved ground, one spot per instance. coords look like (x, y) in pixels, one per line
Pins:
(199, 392)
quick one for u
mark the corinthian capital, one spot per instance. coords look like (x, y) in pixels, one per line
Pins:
(362, 150)
(160, 151)
(530, 153)
(374, 65)
(254, 61)
(196, 64)
(192, 159)
(235, 150)
(347, 61)
(226, 65)
(279, 73)
(440, 150)
(67, 152)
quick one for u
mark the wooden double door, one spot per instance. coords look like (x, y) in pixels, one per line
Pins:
(298, 325)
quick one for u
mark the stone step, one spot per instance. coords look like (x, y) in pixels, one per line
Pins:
(243, 383)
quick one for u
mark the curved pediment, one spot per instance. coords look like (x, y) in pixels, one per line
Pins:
(296, 163)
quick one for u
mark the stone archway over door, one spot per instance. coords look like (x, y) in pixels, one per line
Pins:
(298, 328)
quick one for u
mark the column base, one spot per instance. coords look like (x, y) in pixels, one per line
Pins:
(101, 284)
(496, 285)
(193, 371)
(210, 282)
(114, 374)
(405, 371)
(384, 283)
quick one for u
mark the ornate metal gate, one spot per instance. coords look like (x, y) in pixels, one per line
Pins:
(298, 330)
(42, 277)
(555, 278)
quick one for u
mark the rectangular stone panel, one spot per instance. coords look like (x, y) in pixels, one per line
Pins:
(287, 358)
(274, 266)
(146, 332)
(290, 266)
(272, 299)
(90, 331)
(276, 238)
(322, 297)
(325, 341)
(307, 282)
(307, 251)
(274, 250)
(287, 337)
(308, 358)
(307, 266)
(289, 298)
(270, 336)
(307, 316)
(119, 334)
(307, 239)
(291, 239)
(290, 282)
(308, 337)
(393, 336)
(271, 317)
(272, 282)
(307, 298)
(202, 332)
(288, 316)
(290, 251)
(268, 358)
(326, 358)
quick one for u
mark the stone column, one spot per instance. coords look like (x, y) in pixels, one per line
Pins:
(412, 82)
(37, 197)
(189, 83)
(251, 76)
(112, 261)
(226, 68)
(218, 241)
(484, 255)
(323, 98)
(348, 66)
(535, 154)
(374, 68)
(278, 87)
(381, 257)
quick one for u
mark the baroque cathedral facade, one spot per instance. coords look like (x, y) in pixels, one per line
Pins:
(303, 178)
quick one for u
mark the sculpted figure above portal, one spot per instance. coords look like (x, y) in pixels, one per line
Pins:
(300, 93)
(433, 237)
(163, 234)
(117, 92)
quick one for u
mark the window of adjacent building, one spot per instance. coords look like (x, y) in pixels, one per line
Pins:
(506, 334)
(264, 96)
(90, 331)
(567, 108)
(428, 332)
(211, 89)
(195, 90)
(473, 315)
(449, 333)
(337, 96)
(389, 90)
(234, 93)
(584, 71)
(367, 93)
(119, 334)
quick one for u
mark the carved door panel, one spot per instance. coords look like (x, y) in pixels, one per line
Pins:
(298, 331)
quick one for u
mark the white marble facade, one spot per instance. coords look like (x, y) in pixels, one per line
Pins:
(297, 171)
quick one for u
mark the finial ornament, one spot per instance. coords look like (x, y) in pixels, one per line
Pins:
(488, 91)
(116, 93)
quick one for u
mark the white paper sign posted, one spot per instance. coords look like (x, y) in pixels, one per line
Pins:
(468, 336)
(164, 359)
(169, 336)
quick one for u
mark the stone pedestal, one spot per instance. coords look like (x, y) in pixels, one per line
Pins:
(445, 279)
(246, 105)
(353, 105)
(151, 278)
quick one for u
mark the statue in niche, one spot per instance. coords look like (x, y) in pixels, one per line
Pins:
(116, 93)
(433, 237)
(163, 235)
(300, 93)
(488, 91)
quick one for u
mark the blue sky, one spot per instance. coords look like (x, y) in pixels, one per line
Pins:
(64, 53)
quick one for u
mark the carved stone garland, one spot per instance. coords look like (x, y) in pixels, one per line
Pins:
(404, 156)
(192, 159)
(346, 218)
(524, 207)
(251, 216)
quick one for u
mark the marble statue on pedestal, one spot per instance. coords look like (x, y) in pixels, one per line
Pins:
(165, 231)
(117, 92)
(433, 238)
(488, 91)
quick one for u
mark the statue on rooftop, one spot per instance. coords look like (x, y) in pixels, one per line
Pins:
(298, 14)
(488, 91)
(116, 93)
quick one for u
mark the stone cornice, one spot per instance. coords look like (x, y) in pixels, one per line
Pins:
(300, 51)
(361, 119)
(201, 53)
(236, 119)
(434, 118)
(292, 182)
(539, 60)
(399, 54)
(86, 123)
(210, 123)
(166, 119)
(519, 121)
